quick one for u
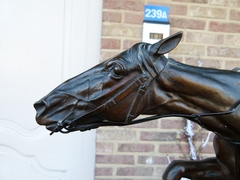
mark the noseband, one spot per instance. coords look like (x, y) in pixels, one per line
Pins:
(141, 84)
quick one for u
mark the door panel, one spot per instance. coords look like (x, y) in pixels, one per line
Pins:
(39, 49)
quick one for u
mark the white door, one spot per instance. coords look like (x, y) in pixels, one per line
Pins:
(42, 43)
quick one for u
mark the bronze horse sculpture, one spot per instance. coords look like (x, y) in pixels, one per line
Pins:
(141, 80)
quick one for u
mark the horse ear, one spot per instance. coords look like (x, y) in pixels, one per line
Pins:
(166, 45)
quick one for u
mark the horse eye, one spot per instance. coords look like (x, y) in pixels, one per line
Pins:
(118, 70)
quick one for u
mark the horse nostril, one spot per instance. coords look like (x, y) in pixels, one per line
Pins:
(40, 107)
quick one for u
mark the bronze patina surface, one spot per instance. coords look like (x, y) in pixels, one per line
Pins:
(141, 80)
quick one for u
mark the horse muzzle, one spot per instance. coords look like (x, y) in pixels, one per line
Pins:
(40, 107)
(54, 108)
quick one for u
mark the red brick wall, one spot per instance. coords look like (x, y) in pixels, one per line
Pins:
(211, 36)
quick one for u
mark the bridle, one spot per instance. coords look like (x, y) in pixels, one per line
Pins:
(85, 127)
(141, 84)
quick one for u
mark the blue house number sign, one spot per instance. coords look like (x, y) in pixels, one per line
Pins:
(156, 13)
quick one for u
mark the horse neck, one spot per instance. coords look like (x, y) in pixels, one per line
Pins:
(181, 88)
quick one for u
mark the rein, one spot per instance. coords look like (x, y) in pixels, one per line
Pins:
(194, 117)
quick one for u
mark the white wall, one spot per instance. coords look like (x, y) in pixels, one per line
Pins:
(43, 43)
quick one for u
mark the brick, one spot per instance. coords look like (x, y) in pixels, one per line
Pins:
(208, 149)
(114, 159)
(232, 64)
(125, 31)
(158, 136)
(133, 18)
(134, 171)
(150, 124)
(111, 16)
(189, 49)
(201, 136)
(178, 58)
(177, 9)
(204, 38)
(103, 171)
(233, 40)
(223, 52)
(187, 23)
(116, 135)
(233, 3)
(108, 54)
(235, 15)
(129, 43)
(152, 160)
(159, 171)
(111, 43)
(125, 25)
(211, 63)
(131, 5)
(224, 27)
(172, 123)
(173, 148)
(207, 12)
(130, 147)
(104, 147)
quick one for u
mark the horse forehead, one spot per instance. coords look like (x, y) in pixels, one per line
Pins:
(95, 75)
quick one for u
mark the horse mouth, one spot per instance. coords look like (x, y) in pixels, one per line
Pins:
(58, 127)
(67, 128)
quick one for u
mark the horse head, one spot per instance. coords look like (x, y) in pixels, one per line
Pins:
(113, 91)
